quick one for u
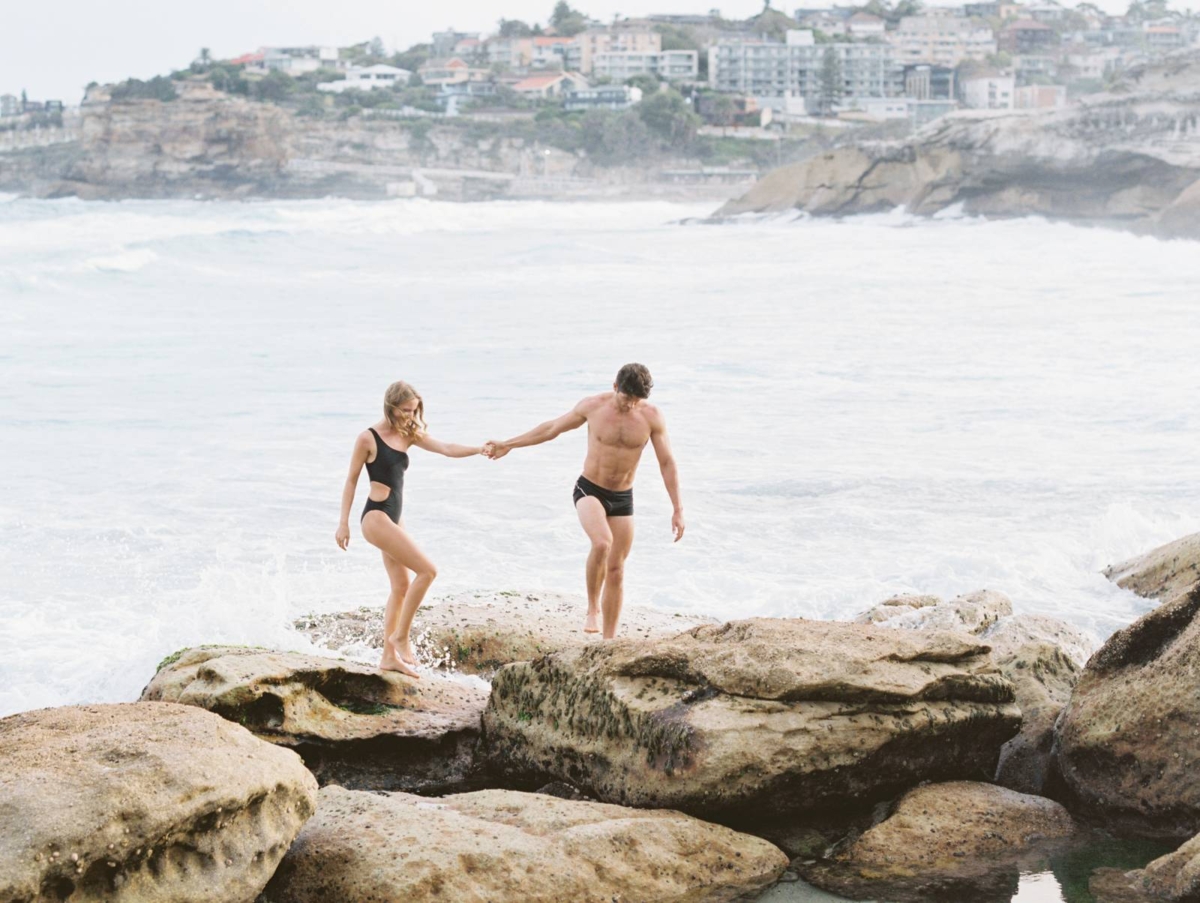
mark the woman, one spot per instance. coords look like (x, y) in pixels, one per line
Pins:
(383, 448)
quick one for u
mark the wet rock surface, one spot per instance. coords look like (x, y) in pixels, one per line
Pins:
(753, 719)
(959, 840)
(501, 846)
(476, 633)
(1174, 878)
(1161, 573)
(353, 725)
(142, 803)
(1127, 750)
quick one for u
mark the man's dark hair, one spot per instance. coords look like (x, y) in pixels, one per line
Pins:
(634, 379)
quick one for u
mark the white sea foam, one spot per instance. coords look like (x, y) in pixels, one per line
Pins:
(859, 408)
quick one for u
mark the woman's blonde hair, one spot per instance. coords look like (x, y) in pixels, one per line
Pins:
(398, 393)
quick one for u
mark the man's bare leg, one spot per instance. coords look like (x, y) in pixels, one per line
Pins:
(614, 575)
(594, 521)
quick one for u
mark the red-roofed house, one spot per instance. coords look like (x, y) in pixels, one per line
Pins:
(439, 73)
(247, 59)
(552, 84)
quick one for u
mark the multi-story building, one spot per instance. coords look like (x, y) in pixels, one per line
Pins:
(440, 73)
(773, 72)
(864, 26)
(581, 52)
(367, 78)
(943, 40)
(1028, 36)
(295, 60)
(668, 65)
(603, 97)
(989, 91)
(549, 52)
(1040, 97)
(10, 105)
(446, 43)
(926, 82)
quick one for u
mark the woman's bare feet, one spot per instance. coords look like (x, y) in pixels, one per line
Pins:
(592, 623)
(392, 662)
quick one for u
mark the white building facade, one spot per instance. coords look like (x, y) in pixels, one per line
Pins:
(668, 65)
(942, 40)
(989, 92)
(367, 78)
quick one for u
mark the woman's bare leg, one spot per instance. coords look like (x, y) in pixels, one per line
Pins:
(398, 576)
(391, 539)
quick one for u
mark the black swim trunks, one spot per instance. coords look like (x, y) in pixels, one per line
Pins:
(617, 503)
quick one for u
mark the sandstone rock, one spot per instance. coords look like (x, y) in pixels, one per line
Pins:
(508, 847)
(1042, 676)
(352, 724)
(1126, 749)
(1009, 635)
(1113, 159)
(973, 612)
(1161, 573)
(954, 840)
(143, 803)
(1174, 878)
(477, 633)
(753, 719)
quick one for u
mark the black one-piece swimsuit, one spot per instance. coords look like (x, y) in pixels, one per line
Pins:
(387, 468)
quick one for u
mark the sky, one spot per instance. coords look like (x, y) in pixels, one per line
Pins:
(52, 50)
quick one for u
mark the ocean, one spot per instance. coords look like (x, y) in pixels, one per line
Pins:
(859, 408)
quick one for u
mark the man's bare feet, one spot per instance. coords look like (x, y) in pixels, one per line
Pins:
(591, 624)
(392, 662)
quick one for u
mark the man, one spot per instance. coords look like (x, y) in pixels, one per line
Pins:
(620, 423)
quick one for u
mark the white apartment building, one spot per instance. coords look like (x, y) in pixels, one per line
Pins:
(941, 40)
(295, 60)
(775, 72)
(668, 65)
(989, 92)
(581, 52)
(366, 78)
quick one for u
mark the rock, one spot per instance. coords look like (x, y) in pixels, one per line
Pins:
(972, 612)
(353, 725)
(1127, 159)
(1126, 749)
(753, 719)
(944, 841)
(508, 847)
(1041, 656)
(1174, 877)
(143, 803)
(1043, 676)
(477, 633)
(1161, 573)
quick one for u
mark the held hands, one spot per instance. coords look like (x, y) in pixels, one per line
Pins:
(342, 536)
(677, 525)
(495, 450)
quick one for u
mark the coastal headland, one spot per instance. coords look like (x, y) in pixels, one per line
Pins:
(928, 749)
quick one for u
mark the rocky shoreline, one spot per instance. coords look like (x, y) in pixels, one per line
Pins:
(1128, 159)
(924, 750)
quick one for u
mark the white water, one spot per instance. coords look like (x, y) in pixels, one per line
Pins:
(858, 409)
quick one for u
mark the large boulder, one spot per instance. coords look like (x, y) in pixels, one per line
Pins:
(352, 724)
(1041, 656)
(476, 633)
(753, 719)
(959, 840)
(1126, 750)
(1161, 573)
(508, 847)
(143, 803)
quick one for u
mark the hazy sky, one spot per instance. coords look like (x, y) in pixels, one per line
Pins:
(53, 49)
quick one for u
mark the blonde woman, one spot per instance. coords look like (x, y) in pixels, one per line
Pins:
(383, 448)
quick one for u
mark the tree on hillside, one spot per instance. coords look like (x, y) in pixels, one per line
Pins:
(677, 37)
(669, 116)
(832, 86)
(205, 56)
(646, 83)
(515, 28)
(413, 58)
(376, 49)
(566, 21)
(274, 87)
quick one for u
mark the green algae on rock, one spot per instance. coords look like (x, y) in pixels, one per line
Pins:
(753, 719)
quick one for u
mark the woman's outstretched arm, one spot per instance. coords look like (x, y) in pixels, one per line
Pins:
(358, 457)
(449, 449)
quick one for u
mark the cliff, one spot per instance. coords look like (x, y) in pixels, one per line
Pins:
(212, 145)
(1130, 159)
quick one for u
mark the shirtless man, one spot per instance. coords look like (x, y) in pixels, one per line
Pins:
(620, 423)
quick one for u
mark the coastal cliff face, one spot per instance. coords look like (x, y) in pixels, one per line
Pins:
(210, 145)
(1130, 159)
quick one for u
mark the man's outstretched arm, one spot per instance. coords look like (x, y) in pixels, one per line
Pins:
(670, 473)
(543, 432)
